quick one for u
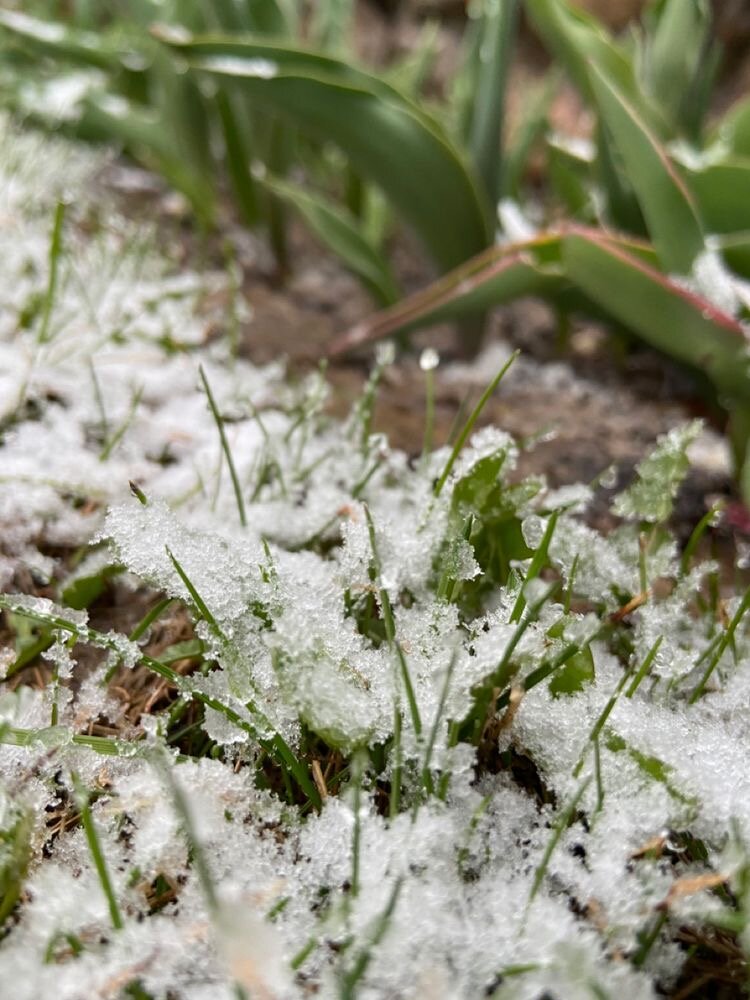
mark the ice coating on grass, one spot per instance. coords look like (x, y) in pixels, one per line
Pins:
(464, 891)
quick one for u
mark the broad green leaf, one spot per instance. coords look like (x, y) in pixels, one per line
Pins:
(385, 136)
(658, 477)
(666, 315)
(238, 160)
(735, 249)
(734, 128)
(722, 191)
(489, 74)
(569, 173)
(575, 675)
(142, 134)
(82, 591)
(338, 230)
(498, 275)
(665, 200)
(530, 130)
(56, 39)
(675, 57)
(580, 42)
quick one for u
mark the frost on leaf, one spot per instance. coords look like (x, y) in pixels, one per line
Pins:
(659, 476)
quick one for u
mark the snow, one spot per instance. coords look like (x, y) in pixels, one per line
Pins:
(438, 900)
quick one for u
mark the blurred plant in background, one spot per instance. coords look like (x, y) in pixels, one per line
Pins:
(646, 223)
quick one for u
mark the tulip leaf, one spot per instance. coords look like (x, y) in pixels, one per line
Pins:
(665, 200)
(339, 231)
(666, 315)
(722, 191)
(500, 274)
(385, 136)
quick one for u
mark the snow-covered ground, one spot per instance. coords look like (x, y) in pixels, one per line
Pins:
(471, 885)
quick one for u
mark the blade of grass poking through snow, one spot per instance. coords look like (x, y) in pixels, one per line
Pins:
(667, 205)
(644, 668)
(538, 562)
(709, 519)
(225, 448)
(491, 61)
(432, 738)
(560, 826)
(659, 476)
(596, 729)
(726, 639)
(95, 849)
(275, 746)
(181, 807)
(118, 435)
(377, 127)
(394, 799)
(57, 736)
(357, 772)
(149, 618)
(349, 984)
(339, 231)
(16, 828)
(469, 425)
(390, 628)
(55, 252)
(196, 598)
(501, 675)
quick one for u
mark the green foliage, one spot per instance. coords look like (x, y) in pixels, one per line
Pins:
(15, 850)
(659, 476)
(666, 194)
(252, 91)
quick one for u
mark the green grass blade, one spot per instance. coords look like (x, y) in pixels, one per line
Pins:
(726, 639)
(218, 419)
(538, 562)
(385, 136)
(55, 251)
(561, 824)
(196, 598)
(338, 230)
(665, 200)
(97, 856)
(198, 855)
(469, 425)
(348, 989)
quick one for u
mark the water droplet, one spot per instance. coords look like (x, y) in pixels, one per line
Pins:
(429, 359)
